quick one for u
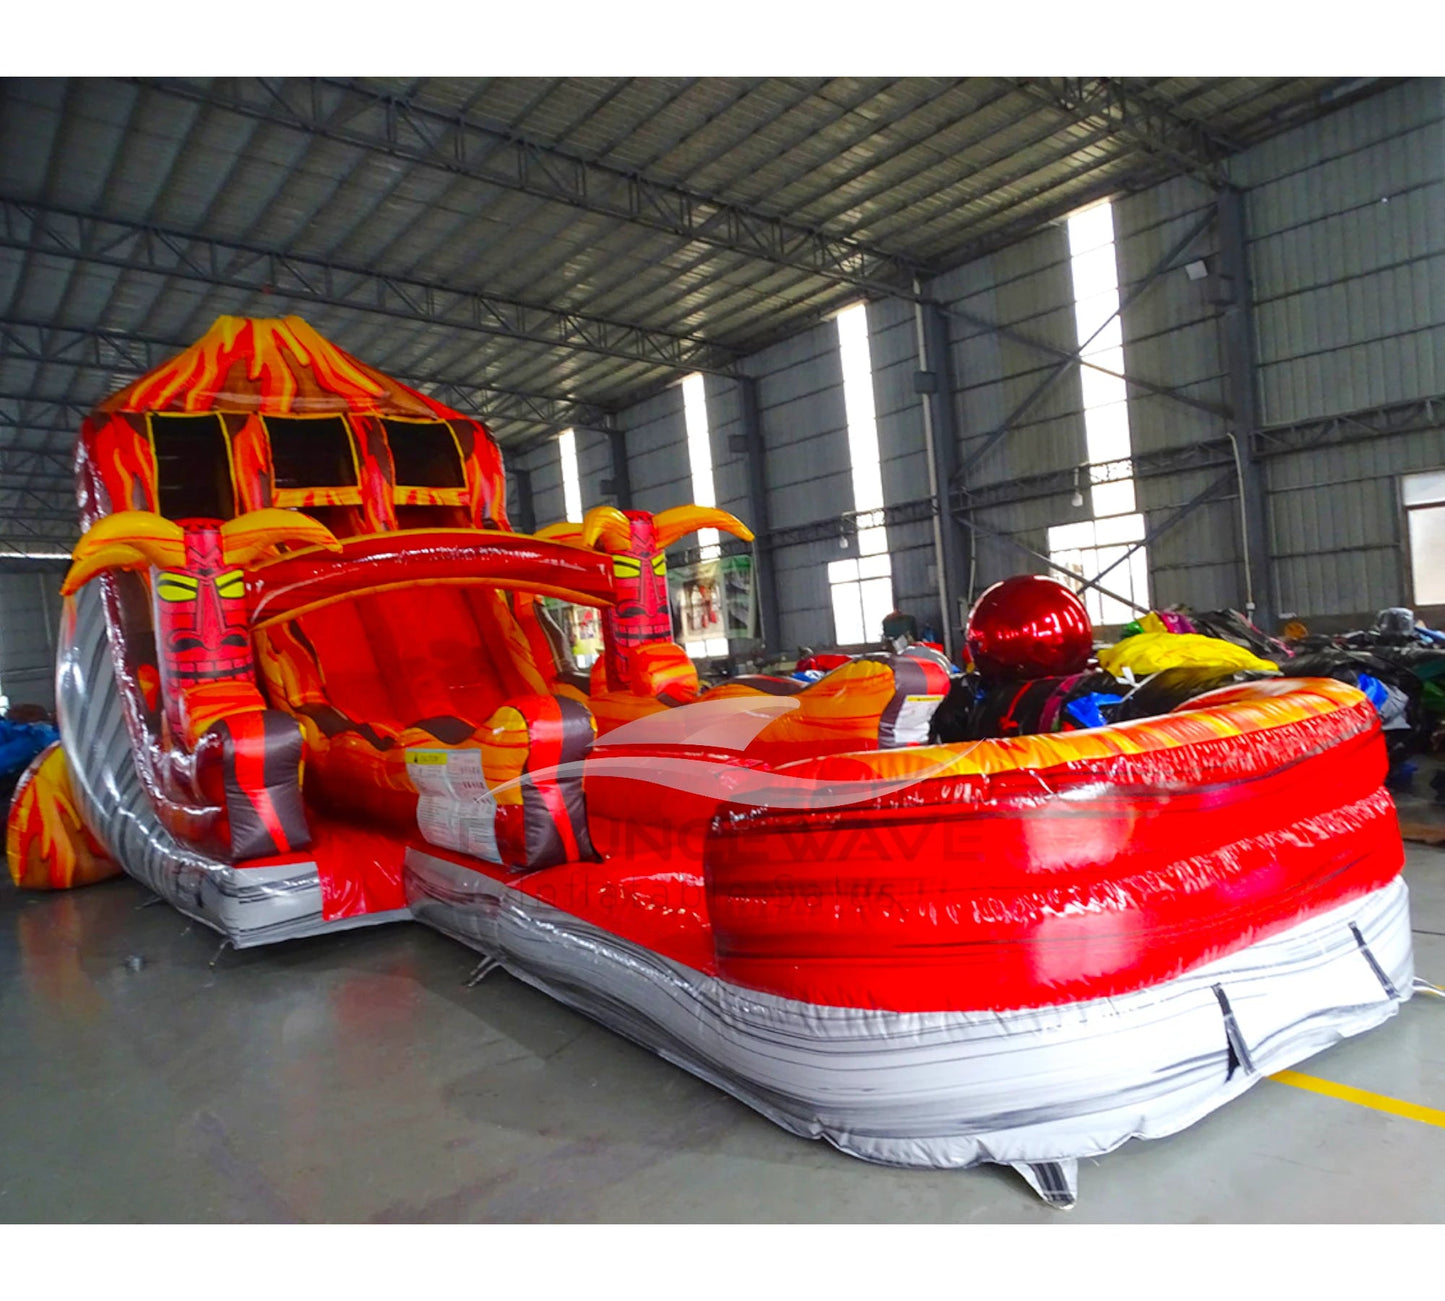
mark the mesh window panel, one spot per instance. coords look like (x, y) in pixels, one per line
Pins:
(425, 455)
(193, 468)
(311, 453)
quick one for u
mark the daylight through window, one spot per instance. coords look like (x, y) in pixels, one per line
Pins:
(862, 585)
(1424, 498)
(1088, 548)
(699, 458)
(571, 481)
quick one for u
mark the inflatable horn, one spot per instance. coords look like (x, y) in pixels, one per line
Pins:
(607, 529)
(141, 539)
(129, 539)
(682, 520)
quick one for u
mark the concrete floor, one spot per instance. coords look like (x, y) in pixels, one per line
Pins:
(355, 1078)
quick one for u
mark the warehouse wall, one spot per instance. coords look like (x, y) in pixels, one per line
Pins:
(1174, 336)
(657, 461)
(998, 379)
(893, 349)
(804, 429)
(729, 468)
(29, 619)
(1347, 238)
(545, 470)
(1347, 254)
(543, 462)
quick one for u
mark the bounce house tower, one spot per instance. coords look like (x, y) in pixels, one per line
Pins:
(246, 370)
(266, 429)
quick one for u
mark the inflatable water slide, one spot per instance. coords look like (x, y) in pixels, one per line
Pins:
(310, 679)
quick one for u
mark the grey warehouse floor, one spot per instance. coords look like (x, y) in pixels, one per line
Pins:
(354, 1078)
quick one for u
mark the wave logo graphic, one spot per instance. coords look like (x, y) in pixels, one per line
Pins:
(637, 751)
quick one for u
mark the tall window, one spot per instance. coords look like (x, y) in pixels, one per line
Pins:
(571, 480)
(580, 623)
(861, 586)
(699, 458)
(1089, 547)
(1424, 498)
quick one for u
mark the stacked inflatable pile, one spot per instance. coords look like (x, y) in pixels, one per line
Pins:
(1170, 656)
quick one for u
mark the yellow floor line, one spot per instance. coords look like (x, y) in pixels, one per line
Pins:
(1362, 1097)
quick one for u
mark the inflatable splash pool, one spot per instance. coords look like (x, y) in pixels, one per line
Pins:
(1013, 951)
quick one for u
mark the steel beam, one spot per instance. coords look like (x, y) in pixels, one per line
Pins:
(951, 545)
(1069, 200)
(1211, 454)
(16, 558)
(64, 531)
(55, 415)
(1210, 492)
(1139, 118)
(848, 525)
(91, 349)
(1278, 440)
(1075, 358)
(489, 405)
(57, 464)
(1414, 416)
(976, 527)
(1084, 363)
(396, 126)
(204, 259)
(1238, 322)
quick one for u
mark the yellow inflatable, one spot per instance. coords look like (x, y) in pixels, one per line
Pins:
(1151, 652)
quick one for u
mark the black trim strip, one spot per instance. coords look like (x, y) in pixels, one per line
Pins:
(1238, 1049)
(1379, 971)
(1052, 1183)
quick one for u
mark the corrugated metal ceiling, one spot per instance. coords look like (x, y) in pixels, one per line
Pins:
(541, 251)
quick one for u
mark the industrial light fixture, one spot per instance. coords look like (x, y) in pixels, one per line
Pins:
(1197, 270)
(1078, 498)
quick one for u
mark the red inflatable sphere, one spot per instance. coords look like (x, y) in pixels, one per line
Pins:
(1029, 627)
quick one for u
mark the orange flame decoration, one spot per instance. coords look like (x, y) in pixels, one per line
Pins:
(251, 465)
(47, 845)
(124, 458)
(259, 364)
(272, 367)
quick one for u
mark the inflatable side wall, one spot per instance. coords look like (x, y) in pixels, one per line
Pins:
(1049, 869)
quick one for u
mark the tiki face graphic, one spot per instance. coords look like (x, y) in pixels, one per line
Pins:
(203, 629)
(642, 613)
(198, 587)
(637, 542)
